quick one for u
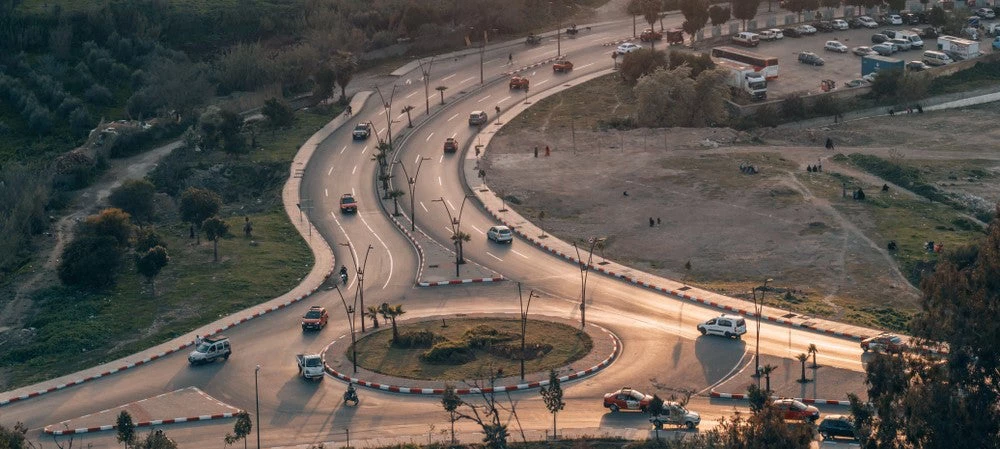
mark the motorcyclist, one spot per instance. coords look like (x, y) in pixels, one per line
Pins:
(351, 394)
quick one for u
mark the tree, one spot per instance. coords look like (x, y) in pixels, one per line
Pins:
(937, 16)
(125, 429)
(796, 6)
(695, 16)
(150, 264)
(392, 312)
(278, 113)
(764, 428)
(718, 15)
(215, 228)
(372, 312)
(802, 358)
(488, 413)
(323, 83)
(450, 400)
(651, 12)
(90, 261)
(344, 66)
(395, 194)
(134, 196)
(655, 408)
(13, 438)
(459, 238)
(111, 222)
(553, 397)
(745, 10)
(241, 429)
(896, 5)
(157, 440)
(147, 238)
(830, 4)
(441, 90)
(407, 110)
(766, 371)
(197, 205)
(812, 350)
(639, 63)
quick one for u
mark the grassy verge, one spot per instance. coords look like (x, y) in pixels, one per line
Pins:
(72, 330)
(597, 104)
(377, 354)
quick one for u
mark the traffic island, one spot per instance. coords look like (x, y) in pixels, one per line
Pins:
(463, 351)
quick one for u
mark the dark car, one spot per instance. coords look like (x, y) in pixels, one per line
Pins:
(791, 32)
(890, 33)
(855, 23)
(928, 33)
(835, 426)
(879, 38)
(823, 25)
(811, 58)
(911, 19)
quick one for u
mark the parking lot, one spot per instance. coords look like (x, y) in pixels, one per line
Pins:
(795, 77)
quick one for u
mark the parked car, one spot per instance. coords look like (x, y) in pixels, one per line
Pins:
(884, 342)
(836, 46)
(822, 25)
(627, 47)
(868, 22)
(361, 131)
(808, 57)
(772, 34)
(315, 318)
(649, 35)
(883, 49)
(728, 326)
(879, 38)
(627, 398)
(793, 410)
(903, 44)
(986, 13)
(996, 43)
(863, 51)
(926, 32)
(676, 414)
(895, 19)
(791, 32)
(806, 30)
(917, 66)
(889, 33)
(840, 24)
(910, 18)
(855, 83)
(835, 426)
(855, 22)
(500, 234)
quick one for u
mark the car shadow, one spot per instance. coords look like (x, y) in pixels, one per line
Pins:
(718, 356)
(295, 395)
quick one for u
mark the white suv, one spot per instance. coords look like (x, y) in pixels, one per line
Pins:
(725, 325)
(500, 234)
(627, 47)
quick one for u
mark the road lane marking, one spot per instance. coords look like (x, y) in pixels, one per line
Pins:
(449, 203)
(412, 94)
(380, 131)
(504, 99)
(417, 160)
(454, 135)
(386, 247)
(342, 150)
(519, 254)
(326, 192)
(484, 98)
(399, 117)
(586, 65)
(477, 229)
(425, 207)
(441, 159)
(449, 77)
(364, 150)
(491, 61)
(428, 139)
(354, 170)
(441, 184)
(329, 171)
(495, 257)
(467, 80)
(453, 117)
(541, 82)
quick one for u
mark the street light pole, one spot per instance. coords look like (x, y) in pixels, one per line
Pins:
(350, 310)
(256, 395)
(524, 320)
(426, 73)
(482, 55)
(387, 106)
(758, 308)
(456, 231)
(411, 184)
(360, 269)
(584, 272)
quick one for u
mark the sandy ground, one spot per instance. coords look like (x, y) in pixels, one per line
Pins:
(737, 229)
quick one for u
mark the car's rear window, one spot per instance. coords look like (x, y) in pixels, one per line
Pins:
(741, 322)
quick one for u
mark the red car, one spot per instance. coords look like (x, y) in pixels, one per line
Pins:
(315, 318)
(884, 343)
(796, 411)
(518, 82)
(562, 65)
(450, 145)
(627, 399)
(650, 34)
(347, 204)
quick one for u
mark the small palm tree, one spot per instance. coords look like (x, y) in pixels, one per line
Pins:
(407, 110)
(395, 194)
(802, 359)
(766, 371)
(812, 351)
(372, 313)
(441, 89)
(458, 238)
(392, 312)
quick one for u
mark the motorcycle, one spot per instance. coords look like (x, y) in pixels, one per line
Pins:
(343, 278)
(351, 395)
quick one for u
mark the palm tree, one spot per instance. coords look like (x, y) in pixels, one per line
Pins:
(407, 110)
(458, 238)
(441, 89)
(392, 312)
(395, 194)
(802, 359)
(812, 350)
(766, 371)
(372, 312)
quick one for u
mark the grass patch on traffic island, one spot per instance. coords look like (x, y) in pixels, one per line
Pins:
(469, 347)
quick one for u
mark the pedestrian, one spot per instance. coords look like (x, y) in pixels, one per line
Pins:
(547, 151)
(349, 110)
(651, 222)
(829, 143)
(920, 109)
(498, 111)
(536, 151)
(625, 193)
(891, 112)
(198, 340)
(191, 232)
(658, 221)
(510, 59)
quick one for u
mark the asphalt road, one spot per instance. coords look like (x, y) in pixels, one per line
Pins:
(661, 344)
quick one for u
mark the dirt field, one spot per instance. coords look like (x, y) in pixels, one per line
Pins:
(826, 253)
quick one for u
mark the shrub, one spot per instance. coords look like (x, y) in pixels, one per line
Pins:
(621, 123)
(449, 353)
(90, 262)
(512, 350)
(421, 339)
(483, 336)
(98, 95)
(793, 108)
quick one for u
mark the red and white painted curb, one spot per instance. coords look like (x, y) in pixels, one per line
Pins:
(167, 352)
(675, 293)
(461, 281)
(156, 422)
(715, 394)
(526, 386)
(529, 67)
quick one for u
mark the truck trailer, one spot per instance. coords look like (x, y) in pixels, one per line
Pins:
(958, 48)
(872, 64)
(744, 80)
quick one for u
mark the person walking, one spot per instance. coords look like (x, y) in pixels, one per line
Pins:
(547, 152)
(536, 151)
(510, 59)
(829, 144)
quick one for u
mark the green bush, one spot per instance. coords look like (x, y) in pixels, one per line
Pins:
(619, 123)
(512, 350)
(421, 339)
(483, 336)
(905, 177)
(449, 353)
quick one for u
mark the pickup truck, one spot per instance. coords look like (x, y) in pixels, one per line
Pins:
(310, 366)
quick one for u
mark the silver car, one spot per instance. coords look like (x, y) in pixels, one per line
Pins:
(500, 234)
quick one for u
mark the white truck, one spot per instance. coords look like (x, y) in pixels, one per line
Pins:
(744, 80)
(310, 366)
(958, 48)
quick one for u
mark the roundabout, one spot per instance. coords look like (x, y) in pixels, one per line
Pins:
(467, 349)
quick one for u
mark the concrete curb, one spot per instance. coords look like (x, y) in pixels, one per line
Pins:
(616, 351)
(715, 394)
(156, 422)
(461, 281)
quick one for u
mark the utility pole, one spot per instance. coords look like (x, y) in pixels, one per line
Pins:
(584, 272)
(426, 73)
(456, 231)
(360, 270)
(387, 106)
(411, 184)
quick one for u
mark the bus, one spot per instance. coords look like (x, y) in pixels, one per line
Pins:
(768, 65)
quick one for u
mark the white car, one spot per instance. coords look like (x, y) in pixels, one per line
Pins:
(895, 19)
(500, 234)
(627, 47)
(806, 30)
(772, 34)
(840, 24)
(835, 46)
(728, 326)
(868, 22)
(986, 13)
(863, 51)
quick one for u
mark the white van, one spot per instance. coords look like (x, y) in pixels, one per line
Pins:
(747, 38)
(936, 58)
(915, 41)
